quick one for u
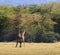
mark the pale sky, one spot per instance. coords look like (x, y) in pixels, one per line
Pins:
(24, 2)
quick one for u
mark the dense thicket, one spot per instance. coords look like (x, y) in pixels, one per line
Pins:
(41, 22)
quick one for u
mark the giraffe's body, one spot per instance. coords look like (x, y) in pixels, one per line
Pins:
(20, 38)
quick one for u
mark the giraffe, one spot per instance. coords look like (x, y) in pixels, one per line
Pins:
(21, 38)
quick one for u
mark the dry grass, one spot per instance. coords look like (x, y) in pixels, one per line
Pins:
(8, 48)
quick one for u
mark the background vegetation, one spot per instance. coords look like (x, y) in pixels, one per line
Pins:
(41, 22)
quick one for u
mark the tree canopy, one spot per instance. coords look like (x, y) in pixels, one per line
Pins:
(41, 22)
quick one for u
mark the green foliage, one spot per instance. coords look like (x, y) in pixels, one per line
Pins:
(38, 21)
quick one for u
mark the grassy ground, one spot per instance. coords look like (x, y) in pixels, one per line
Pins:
(8, 48)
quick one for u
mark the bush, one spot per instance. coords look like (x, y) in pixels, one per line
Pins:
(48, 37)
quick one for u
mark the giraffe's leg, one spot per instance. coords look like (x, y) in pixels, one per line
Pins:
(16, 43)
(20, 44)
